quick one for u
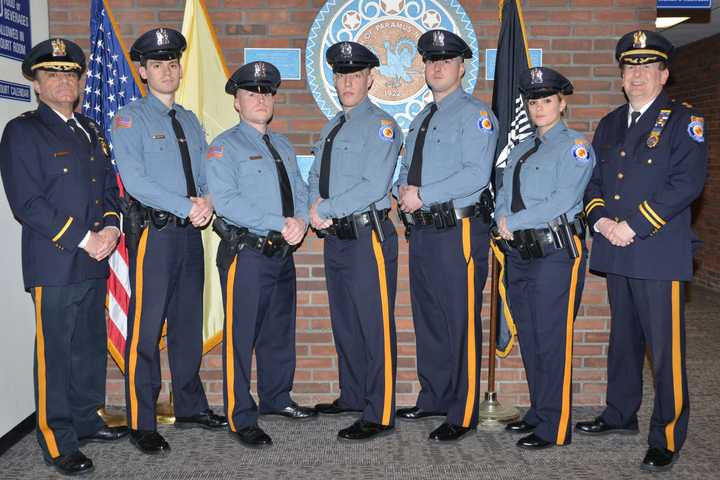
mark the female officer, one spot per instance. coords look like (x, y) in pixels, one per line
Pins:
(543, 237)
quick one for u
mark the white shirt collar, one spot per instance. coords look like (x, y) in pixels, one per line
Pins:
(641, 110)
(65, 119)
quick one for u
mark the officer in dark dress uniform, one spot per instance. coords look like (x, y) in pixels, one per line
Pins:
(159, 148)
(350, 182)
(539, 215)
(652, 161)
(262, 200)
(445, 168)
(61, 188)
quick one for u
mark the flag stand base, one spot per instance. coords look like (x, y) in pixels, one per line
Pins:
(164, 415)
(165, 412)
(492, 415)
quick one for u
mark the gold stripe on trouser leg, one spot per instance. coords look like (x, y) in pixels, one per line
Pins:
(132, 360)
(229, 343)
(385, 302)
(471, 353)
(45, 429)
(569, 330)
(676, 366)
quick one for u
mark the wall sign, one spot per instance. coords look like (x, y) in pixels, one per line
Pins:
(15, 41)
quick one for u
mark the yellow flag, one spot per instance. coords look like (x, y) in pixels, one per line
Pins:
(202, 90)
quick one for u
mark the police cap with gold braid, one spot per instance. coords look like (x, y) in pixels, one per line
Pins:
(643, 46)
(55, 54)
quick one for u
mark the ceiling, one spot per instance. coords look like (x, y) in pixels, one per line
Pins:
(685, 33)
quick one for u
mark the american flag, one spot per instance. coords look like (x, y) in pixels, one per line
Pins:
(111, 83)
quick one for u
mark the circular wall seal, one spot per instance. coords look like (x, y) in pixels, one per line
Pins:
(390, 28)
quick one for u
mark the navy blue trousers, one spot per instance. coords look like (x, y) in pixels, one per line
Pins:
(544, 295)
(361, 280)
(648, 314)
(70, 363)
(166, 278)
(259, 295)
(447, 270)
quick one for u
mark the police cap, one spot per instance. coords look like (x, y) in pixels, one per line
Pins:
(348, 57)
(643, 46)
(55, 54)
(441, 45)
(541, 82)
(260, 77)
(158, 44)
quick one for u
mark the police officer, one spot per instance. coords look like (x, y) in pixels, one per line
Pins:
(262, 199)
(159, 149)
(447, 163)
(539, 217)
(61, 188)
(349, 193)
(652, 161)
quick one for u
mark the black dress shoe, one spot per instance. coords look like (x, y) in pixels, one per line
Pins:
(149, 441)
(658, 460)
(334, 408)
(253, 437)
(75, 463)
(448, 432)
(416, 413)
(533, 442)
(105, 434)
(207, 420)
(364, 430)
(294, 412)
(599, 427)
(521, 426)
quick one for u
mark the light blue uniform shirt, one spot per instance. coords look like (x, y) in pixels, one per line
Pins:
(458, 151)
(148, 155)
(243, 179)
(364, 157)
(552, 180)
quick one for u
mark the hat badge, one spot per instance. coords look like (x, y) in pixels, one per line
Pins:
(438, 39)
(639, 39)
(260, 70)
(58, 47)
(536, 76)
(346, 50)
(162, 37)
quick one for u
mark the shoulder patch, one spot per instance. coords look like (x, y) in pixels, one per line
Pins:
(123, 122)
(696, 129)
(580, 151)
(215, 151)
(484, 124)
(386, 131)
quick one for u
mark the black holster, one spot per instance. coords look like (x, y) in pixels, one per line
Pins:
(485, 206)
(346, 228)
(134, 220)
(229, 243)
(376, 223)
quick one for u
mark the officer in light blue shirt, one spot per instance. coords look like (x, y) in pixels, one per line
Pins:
(543, 244)
(446, 167)
(349, 194)
(262, 202)
(159, 148)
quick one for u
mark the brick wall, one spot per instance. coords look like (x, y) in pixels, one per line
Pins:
(578, 38)
(696, 79)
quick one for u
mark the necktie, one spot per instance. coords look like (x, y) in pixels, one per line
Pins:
(633, 118)
(517, 201)
(185, 154)
(415, 172)
(285, 190)
(72, 123)
(325, 163)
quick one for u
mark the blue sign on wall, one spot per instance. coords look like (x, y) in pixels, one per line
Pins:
(684, 3)
(287, 60)
(14, 91)
(15, 39)
(491, 55)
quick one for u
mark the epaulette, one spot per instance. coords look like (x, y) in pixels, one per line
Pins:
(29, 113)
